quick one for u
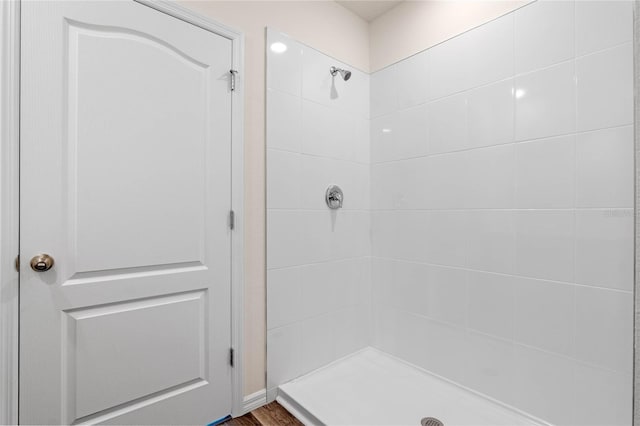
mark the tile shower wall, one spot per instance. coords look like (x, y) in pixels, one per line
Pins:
(318, 260)
(502, 210)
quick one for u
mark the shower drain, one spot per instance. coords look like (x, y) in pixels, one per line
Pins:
(431, 421)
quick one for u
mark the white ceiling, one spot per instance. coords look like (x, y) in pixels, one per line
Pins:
(369, 10)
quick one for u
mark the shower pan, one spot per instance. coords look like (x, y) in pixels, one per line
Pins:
(480, 270)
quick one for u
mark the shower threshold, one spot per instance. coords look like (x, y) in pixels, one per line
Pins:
(373, 388)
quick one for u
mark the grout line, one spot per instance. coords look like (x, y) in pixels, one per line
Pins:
(498, 209)
(506, 144)
(503, 274)
(318, 263)
(318, 156)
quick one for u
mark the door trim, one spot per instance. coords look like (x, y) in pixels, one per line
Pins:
(9, 197)
(9, 207)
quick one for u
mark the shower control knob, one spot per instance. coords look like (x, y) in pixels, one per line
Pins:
(334, 197)
(42, 262)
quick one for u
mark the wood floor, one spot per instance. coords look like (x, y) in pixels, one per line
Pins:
(270, 415)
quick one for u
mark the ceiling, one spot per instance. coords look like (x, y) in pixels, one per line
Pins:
(369, 10)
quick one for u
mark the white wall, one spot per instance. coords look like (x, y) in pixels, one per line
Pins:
(413, 26)
(318, 285)
(346, 38)
(502, 210)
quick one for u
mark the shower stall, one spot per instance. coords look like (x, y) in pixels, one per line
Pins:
(478, 269)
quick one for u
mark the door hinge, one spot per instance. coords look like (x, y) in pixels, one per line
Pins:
(232, 219)
(233, 74)
(17, 263)
(231, 356)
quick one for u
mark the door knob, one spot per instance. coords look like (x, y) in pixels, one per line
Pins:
(42, 262)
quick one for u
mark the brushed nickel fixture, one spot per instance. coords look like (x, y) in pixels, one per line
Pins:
(42, 262)
(431, 421)
(345, 74)
(334, 197)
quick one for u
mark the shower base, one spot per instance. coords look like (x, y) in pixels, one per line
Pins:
(373, 388)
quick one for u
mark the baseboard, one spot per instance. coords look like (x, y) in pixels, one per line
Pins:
(253, 401)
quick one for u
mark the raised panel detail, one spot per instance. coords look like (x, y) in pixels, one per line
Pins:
(137, 117)
(134, 352)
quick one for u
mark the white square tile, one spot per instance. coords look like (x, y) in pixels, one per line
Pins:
(382, 137)
(382, 282)
(604, 328)
(401, 235)
(407, 286)
(491, 114)
(384, 231)
(318, 128)
(604, 248)
(318, 85)
(545, 244)
(412, 79)
(410, 337)
(603, 397)
(544, 315)
(602, 24)
(491, 177)
(362, 143)
(400, 135)
(545, 173)
(284, 176)
(487, 50)
(317, 346)
(394, 185)
(355, 180)
(349, 234)
(491, 51)
(445, 239)
(604, 168)
(447, 124)
(284, 121)
(284, 296)
(544, 34)
(321, 172)
(315, 236)
(489, 367)
(327, 132)
(444, 347)
(545, 102)
(384, 331)
(316, 176)
(384, 96)
(289, 246)
(283, 355)
(284, 63)
(450, 62)
(318, 290)
(446, 185)
(491, 304)
(446, 289)
(492, 240)
(605, 88)
(351, 286)
(349, 331)
(544, 385)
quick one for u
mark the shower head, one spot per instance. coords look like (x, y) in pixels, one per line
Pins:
(345, 74)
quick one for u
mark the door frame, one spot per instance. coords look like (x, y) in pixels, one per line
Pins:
(9, 197)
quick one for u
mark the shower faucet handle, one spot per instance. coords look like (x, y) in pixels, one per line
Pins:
(334, 197)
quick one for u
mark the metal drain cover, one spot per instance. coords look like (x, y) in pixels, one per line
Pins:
(431, 421)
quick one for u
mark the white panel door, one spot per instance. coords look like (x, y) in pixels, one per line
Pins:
(126, 184)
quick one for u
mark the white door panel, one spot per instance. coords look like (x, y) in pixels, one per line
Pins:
(125, 182)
